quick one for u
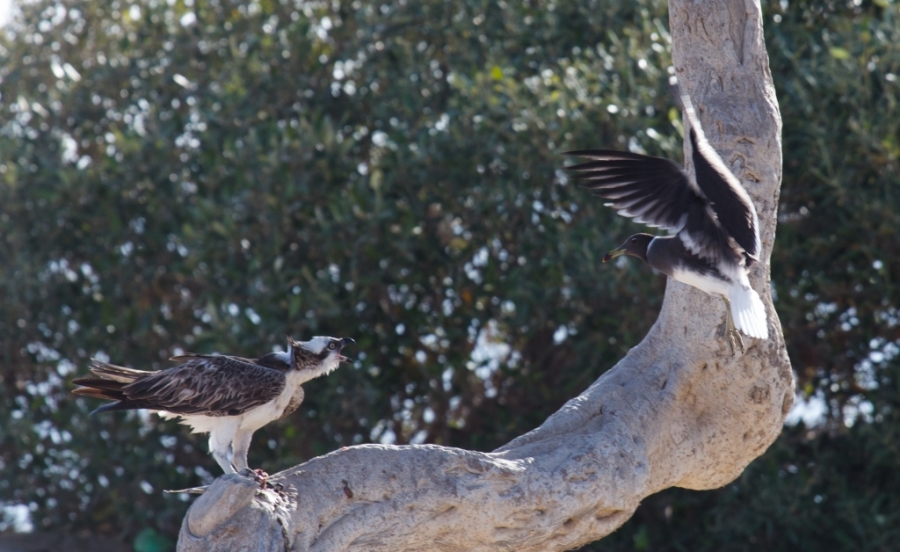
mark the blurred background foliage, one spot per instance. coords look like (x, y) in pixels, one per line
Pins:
(180, 176)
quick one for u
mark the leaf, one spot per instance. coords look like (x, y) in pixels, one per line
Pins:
(839, 53)
(295, 304)
(149, 540)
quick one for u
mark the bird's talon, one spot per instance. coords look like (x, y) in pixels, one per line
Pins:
(735, 336)
(257, 475)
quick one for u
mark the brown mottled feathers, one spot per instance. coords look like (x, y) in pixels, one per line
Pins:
(211, 385)
(294, 403)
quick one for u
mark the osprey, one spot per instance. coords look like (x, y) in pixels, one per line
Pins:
(713, 223)
(226, 396)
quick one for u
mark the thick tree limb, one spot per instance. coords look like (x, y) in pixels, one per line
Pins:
(678, 410)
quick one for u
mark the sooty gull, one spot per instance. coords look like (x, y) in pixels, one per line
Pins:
(712, 221)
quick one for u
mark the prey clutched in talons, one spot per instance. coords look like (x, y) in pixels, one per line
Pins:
(262, 479)
(257, 475)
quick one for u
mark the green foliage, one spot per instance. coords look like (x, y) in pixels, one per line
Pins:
(149, 540)
(211, 176)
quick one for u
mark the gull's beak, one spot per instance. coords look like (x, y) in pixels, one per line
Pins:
(344, 342)
(613, 254)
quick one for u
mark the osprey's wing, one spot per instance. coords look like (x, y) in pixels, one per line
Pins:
(733, 208)
(211, 385)
(295, 402)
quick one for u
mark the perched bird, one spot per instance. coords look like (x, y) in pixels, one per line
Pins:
(712, 221)
(228, 397)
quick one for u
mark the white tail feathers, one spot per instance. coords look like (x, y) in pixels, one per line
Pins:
(748, 312)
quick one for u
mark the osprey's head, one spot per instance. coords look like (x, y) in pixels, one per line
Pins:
(320, 355)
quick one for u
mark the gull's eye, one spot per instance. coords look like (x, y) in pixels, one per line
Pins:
(331, 346)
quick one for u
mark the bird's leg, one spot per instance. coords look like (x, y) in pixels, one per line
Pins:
(240, 446)
(219, 446)
(732, 333)
(221, 457)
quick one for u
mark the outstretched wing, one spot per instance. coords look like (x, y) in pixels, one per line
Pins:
(733, 208)
(212, 385)
(712, 215)
(658, 193)
(651, 190)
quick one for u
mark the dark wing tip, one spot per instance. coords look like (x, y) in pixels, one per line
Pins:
(107, 407)
(603, 154)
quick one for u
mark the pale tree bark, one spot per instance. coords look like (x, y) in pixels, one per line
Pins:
(678, 410)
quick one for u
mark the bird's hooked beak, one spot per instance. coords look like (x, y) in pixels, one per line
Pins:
(613, 254)
(343, 343)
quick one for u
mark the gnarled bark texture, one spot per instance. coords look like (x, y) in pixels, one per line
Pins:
(678, 410)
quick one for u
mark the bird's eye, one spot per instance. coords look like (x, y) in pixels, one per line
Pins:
(331, 345)
(633, 240)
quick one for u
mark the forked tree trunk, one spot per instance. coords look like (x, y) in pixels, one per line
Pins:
(678, 410)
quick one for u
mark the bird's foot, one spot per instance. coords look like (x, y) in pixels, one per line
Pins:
(262, 478)
(731, 333)
(257, 475)
(734, 336)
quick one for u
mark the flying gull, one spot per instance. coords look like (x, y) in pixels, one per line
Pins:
(226, 396)
(712, 221)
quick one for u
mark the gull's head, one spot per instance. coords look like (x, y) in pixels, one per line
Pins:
(320, 355)
(635, 246)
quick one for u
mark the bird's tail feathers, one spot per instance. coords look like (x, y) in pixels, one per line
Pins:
(108, 385)
(103, 389)
(748, 312)
(96, 393)
(112, 372)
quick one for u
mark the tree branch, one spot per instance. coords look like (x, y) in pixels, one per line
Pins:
(678, 410)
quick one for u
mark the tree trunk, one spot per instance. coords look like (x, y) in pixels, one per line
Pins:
(678, 410)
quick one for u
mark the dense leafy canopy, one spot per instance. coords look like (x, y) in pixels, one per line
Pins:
(209, 177)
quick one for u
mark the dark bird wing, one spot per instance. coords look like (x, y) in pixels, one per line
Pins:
(713, 216)
(729, 200)
(212, 385)
(295, 402)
